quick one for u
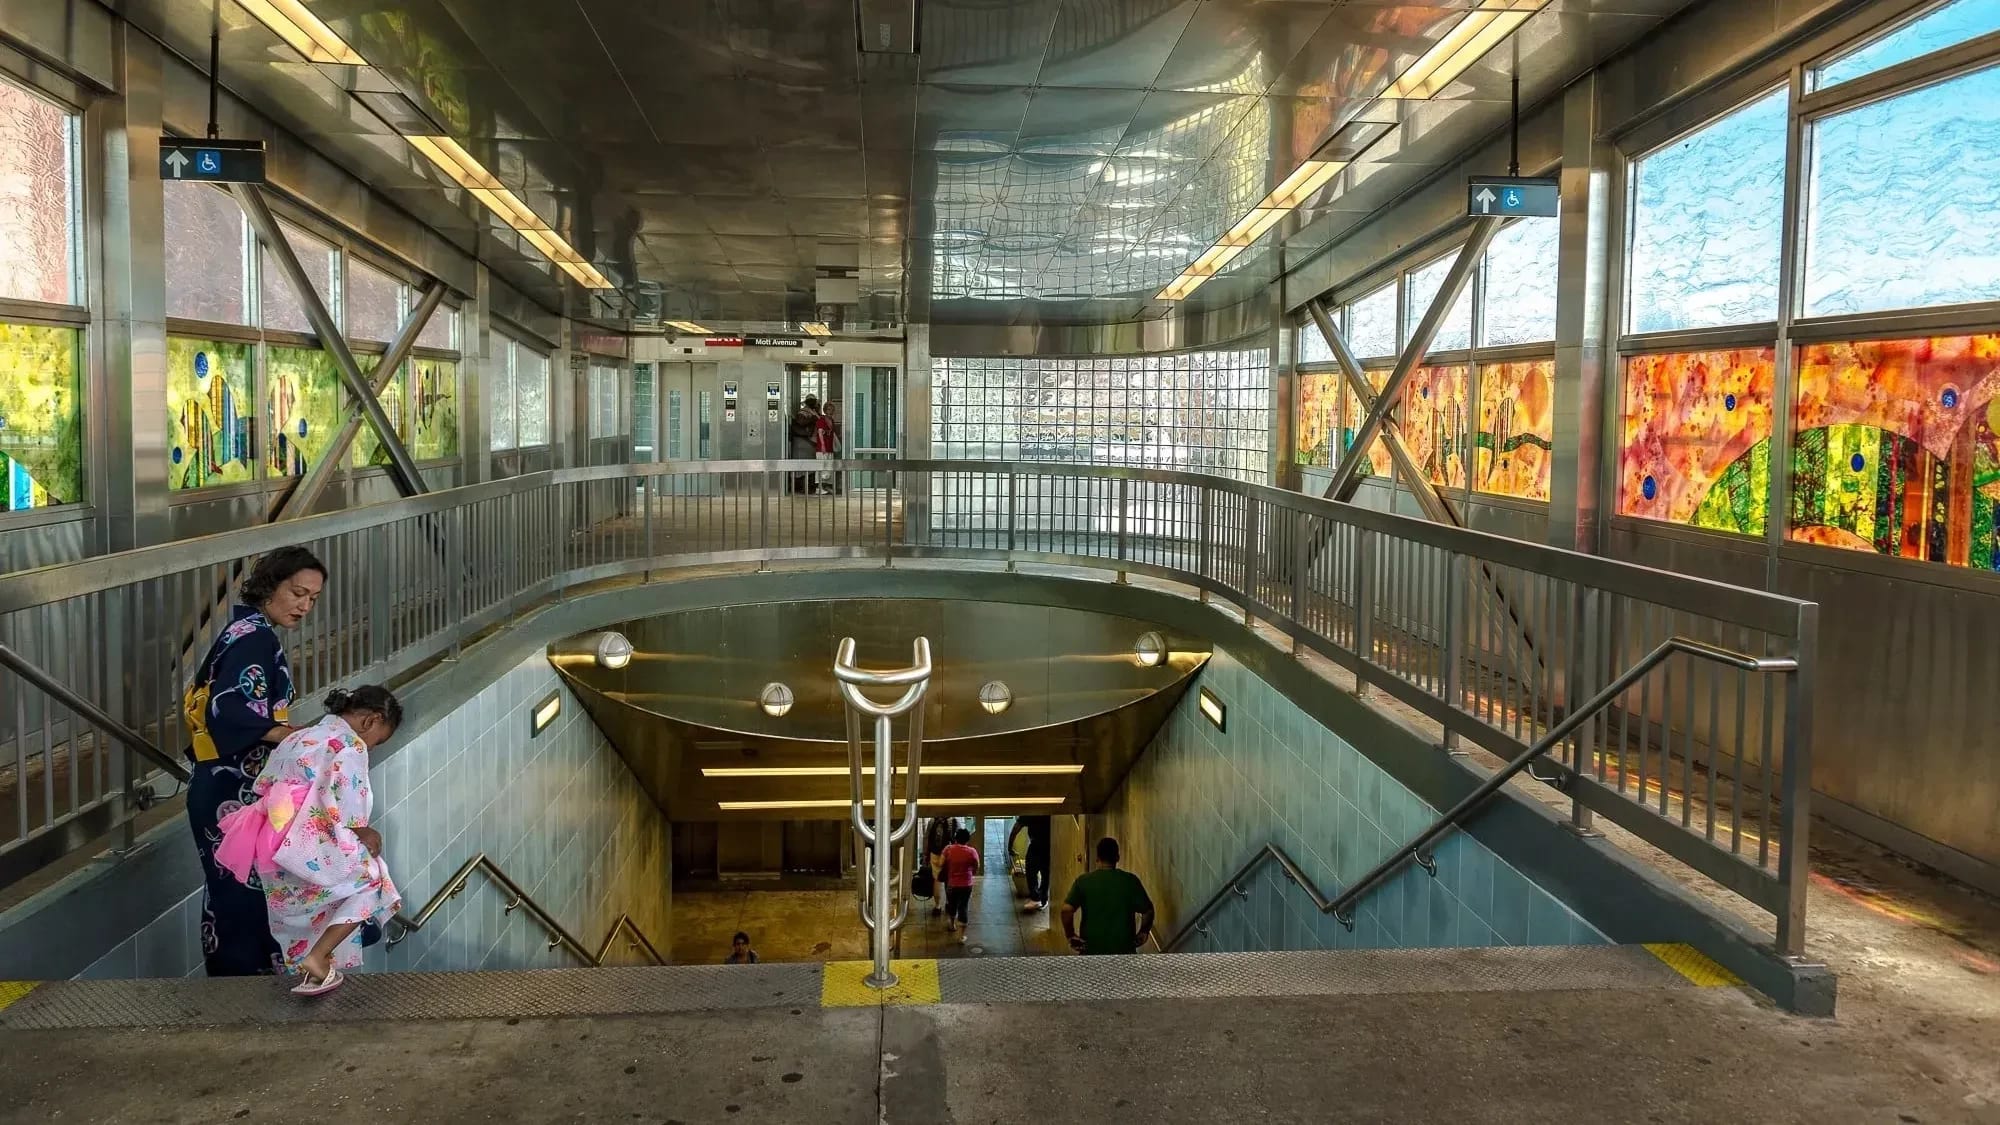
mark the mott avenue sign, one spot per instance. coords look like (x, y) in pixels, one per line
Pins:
(212, 161)
(1511, 196)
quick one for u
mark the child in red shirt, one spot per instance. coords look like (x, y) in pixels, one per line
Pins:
(960, 864)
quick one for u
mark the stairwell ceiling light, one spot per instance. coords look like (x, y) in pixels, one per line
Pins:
(1150, 650)
(613, 651)
(995, 697)
(925, 803)
(1465, 44)
(775, 700)
(309, 35)
(1034, 769)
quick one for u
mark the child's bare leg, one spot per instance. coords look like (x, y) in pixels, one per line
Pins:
(319, 959)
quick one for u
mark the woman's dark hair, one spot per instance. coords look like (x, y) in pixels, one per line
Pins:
(740, 936)
(272, 570)
(964, 836)
(367, 697)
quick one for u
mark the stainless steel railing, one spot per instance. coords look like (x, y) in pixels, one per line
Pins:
(1418, 848)
(1707, 761)
(401, 927)
(884, 905)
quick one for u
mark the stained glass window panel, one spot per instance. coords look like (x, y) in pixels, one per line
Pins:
(1904, 203)
(38, 201)
(1512, 455)
(1696, 446)
(1896, 448)
(1943, 27)
(1519, 298)
(1318, 417)
(1455, 333)
(374, 303)
(368, 452)
(434, 403)
(41, 425)
(205, 260)
(303, 397)
(1378, 463)
(1434, 414)
(282, 309)
(1371, 324)
(208, 413)
(1707, 220)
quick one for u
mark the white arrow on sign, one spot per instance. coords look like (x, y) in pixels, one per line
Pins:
(1485, 198)
(177, 160)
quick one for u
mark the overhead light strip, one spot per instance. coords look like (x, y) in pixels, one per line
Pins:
(687, 326)
(466, 171)
(816, 328)
(307, 33)
(841, 803)
(1037, 770)
(1466, 43)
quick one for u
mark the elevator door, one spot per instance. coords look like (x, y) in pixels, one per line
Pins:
(690, 412)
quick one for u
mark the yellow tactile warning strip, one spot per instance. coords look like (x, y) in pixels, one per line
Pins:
(1693, 964)
(843, 984)
(11, 991)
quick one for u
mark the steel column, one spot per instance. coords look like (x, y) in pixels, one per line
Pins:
(1469, 255)
(402, 469)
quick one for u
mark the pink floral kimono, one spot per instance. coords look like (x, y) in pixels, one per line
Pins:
(299, 838)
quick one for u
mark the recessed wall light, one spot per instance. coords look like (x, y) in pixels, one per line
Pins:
(1213, 710)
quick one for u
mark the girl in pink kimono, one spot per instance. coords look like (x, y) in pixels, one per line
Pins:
(308, 841)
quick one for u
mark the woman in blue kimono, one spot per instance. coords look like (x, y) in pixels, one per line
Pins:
(237, 709)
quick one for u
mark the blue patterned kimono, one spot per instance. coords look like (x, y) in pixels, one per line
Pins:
(249, 692)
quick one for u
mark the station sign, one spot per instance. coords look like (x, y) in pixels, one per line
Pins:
(722, 341)
(1513, 196)
(775, 342)
(212, 161)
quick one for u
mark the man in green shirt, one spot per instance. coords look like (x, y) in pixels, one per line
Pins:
(1110, 899)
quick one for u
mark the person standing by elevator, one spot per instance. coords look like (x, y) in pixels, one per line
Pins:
(800, 444)
(1037, 829)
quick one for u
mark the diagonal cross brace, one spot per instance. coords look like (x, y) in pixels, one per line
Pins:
(402, 468)
(1346, 478)
(1435, 506)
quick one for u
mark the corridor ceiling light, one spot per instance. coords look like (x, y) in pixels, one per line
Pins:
(1466, 43)
(613, 651)
(1294, 190)
(687, 326)
(815, 328)
(1038, 769)
(775, 700)
(307, 33)
(927, 803)
(1150, 650)
(995, 697)
(468, 173)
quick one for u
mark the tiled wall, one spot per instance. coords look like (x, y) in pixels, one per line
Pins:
(1201, 801)
(560, 813)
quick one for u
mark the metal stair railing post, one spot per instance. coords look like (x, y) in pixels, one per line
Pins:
(401, 927)
(880, 884)
(92, 713)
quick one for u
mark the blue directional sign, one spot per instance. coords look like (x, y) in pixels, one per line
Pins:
(1512, 196)
(212, 161)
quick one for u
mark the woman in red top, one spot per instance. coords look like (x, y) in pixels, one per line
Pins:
(960, 864)
(826, 442)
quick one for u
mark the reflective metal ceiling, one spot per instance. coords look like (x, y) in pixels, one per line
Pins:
(1039, 161)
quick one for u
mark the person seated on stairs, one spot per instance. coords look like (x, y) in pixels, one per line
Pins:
(740, 952)
(307, 840)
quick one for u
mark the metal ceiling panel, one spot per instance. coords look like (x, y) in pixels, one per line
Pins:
(1119, 44)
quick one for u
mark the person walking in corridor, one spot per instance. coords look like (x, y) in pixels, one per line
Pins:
(1036, 859)
(1110, 898)
(961, 865)
(237, 708)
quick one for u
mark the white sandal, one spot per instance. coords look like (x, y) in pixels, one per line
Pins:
(309, 987)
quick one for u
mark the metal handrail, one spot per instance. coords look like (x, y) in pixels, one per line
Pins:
(95, 715)
(401, 927)
(881, 879)
(1342, 906)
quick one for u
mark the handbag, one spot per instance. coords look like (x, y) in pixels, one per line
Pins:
(922, 883)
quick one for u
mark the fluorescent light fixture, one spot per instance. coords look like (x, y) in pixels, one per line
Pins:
(1213, 710)
(307, 33)
(545, 713)
(1294, 190)
(841, 803)
(467, 172)
(687, 326)
(1466, 43)
(1053, 769)
(816, 328)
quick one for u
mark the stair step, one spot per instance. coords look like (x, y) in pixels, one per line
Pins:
(648, 990)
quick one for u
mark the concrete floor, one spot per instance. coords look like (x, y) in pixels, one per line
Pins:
(1697, 1056)
(804, 920)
